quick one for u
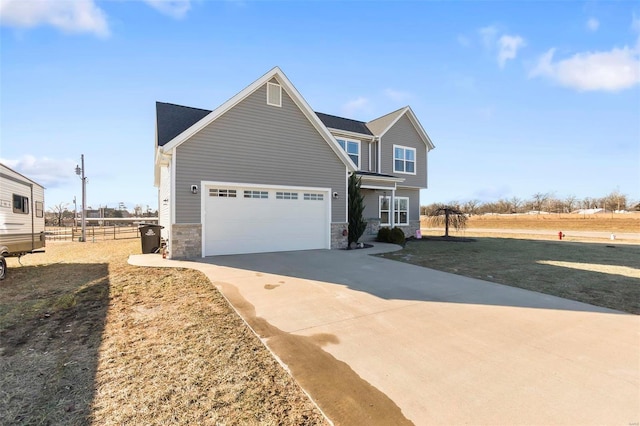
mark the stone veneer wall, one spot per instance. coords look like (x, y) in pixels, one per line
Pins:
(371, 231)
(186, 241)
(373, 225)
(410, 231)
(339, 241)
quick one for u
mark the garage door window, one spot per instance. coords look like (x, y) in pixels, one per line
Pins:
(314, 197)
(286, 195)
(216, 192)
(256, 194)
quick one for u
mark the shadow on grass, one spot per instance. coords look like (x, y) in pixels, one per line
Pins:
(500, 261)
(606, 275)
(51, 323)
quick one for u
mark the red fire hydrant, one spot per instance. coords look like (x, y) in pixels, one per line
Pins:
(560, 235)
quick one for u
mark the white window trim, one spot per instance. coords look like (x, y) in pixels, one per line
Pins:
(415, 159)
(396, 210)
(273, 86)
(346, 142)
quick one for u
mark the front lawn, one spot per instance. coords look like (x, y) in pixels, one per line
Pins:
(603, 275)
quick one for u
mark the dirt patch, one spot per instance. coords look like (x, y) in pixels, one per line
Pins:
(345, 397)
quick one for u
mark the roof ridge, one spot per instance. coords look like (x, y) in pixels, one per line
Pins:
(389, 113)
(182, 106)
(337, 116)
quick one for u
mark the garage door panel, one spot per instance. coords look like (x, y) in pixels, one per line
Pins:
(253, 225)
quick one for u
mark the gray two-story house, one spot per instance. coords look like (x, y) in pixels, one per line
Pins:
(264, 172)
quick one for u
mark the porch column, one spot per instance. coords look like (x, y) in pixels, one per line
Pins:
(392, 213)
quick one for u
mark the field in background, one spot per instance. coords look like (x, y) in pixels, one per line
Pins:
(607, 222)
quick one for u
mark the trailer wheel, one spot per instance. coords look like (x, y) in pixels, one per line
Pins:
(3, 268)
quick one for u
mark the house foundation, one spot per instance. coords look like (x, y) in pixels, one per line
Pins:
(186, 241)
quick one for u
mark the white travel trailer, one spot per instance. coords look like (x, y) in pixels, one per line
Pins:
(21, 216)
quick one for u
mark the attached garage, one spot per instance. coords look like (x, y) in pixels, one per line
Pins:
(257, 218)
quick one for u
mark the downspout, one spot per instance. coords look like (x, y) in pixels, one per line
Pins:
(379, 143)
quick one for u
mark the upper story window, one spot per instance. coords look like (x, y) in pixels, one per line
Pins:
(20, 204)
(352, 148)
(404, 159)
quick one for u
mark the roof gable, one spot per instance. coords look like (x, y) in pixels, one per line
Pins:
(277, 75)
(171, 120)
(381, 125)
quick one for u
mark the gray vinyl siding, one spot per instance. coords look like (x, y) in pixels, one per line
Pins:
(371, 198)
(374, 157)
(403, 133)
(258, 143)
(364, 155)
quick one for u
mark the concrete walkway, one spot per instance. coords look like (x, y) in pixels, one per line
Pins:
(374, 341)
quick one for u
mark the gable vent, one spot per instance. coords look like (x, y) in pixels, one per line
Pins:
(274, 94)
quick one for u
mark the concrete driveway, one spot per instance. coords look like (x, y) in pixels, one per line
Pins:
(374, 341)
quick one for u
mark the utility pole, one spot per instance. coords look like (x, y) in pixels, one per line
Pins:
(80, 172)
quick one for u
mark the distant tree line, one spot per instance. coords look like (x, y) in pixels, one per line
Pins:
(60, 215)
(540, 202)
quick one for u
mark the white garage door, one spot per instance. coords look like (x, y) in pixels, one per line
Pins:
(255, 219)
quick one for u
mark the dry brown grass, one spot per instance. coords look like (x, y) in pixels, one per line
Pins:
(629, 222)
(87, 338)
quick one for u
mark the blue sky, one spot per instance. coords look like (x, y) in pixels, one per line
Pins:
(518, 97)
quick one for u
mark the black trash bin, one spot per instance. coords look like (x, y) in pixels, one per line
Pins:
(150, 237)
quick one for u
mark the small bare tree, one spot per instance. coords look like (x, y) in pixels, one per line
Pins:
(539, 200)
(58, 213)
(448, 216)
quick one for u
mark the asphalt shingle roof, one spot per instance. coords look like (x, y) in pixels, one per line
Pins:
(341, 123)
(174, 119)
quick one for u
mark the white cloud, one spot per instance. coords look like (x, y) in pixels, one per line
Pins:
(360, 104)
(174, 8)
(593, 24)
(69, 16)
(506, 45)
(488, 36)
(397, 96)
(609, 71)
(46, 171)
(508, 48)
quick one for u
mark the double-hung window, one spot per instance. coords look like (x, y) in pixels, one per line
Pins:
(352, 148)
(404, 159)
(400, 211)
